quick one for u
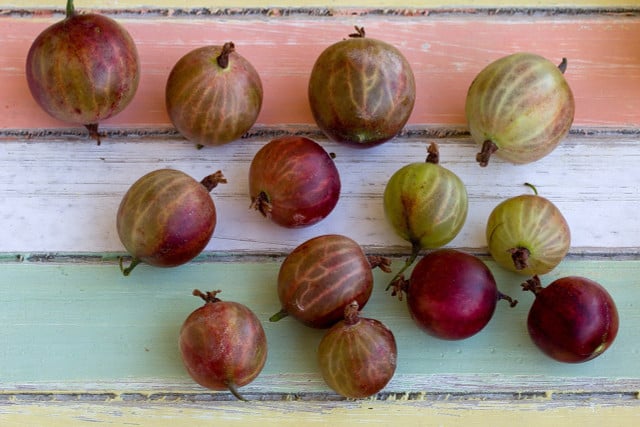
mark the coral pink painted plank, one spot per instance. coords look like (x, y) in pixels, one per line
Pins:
(446, 53)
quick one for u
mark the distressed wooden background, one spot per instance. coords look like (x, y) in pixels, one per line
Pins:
(80, 343)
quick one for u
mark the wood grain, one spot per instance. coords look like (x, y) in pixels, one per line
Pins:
(446, 53)
(62, 196)
(81, 344)
(499, 413)
(104, 332)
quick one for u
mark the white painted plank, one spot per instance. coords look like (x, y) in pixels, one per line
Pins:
(61, 196)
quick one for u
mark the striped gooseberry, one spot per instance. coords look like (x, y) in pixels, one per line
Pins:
(519, 107)
(166, 218)
(213, 95)
(83, 69)
(361, 91)
(223, 344)
(574, 319)
(528, 234)
(323, 275)
(426, 204)
(358, 355)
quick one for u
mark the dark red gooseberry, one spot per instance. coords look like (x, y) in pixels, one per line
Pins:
(451, 294)
(574, 319)
(294, 182)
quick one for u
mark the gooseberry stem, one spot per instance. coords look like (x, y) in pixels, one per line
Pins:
(262, 204)
(488, 148)
(132, 265)
(433, 155)
(358, 34)
(383, 263)
(223, 58)
(209, 297)
(533, 187)
(234, 390)
(520, 256)
(71, 10)
(563, 65)
(415, 251)
(279, 315)
(512, 302)
(351, 313)
(93, 132)
(211, 181)
(534, 285)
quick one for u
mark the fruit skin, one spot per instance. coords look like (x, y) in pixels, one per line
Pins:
(294, 182)
(361, 91)
(452, 295)
(530, 226)
(321, 277)
(210, 103)
(519, 106)
(223, 344)
(166, 217)
(357, 356)
(426, 204)
(572, 320)
(83, 69)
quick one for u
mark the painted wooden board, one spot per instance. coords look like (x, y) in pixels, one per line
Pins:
(87, 345)
(472, 413)
(81, 344)
(80, 185)
(64, 311)
(445, 52)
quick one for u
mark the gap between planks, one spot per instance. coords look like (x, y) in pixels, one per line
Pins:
(113, 258)
(414, 132)
(341, 11)
(563, 398)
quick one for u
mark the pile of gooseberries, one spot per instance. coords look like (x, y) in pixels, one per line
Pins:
(361, 92)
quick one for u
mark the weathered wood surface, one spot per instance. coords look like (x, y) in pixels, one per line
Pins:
(80, 343)
(444, 52)
(46, 208)
(78, 325)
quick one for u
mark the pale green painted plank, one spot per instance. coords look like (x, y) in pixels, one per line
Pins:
(86, 324)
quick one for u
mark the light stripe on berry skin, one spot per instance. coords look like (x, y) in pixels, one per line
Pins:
(538, 226)
(523, 105)
(334, 260)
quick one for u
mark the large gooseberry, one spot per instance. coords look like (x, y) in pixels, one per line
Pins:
(358, 355)
(361, 91)
(83, 69)
(528, 234)
(293, 181)
(323, 275)
(519, 107)
(213, 95)
(222, 344)
(451, 294)
(166, 218)
(426, 204)
(572, 320)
